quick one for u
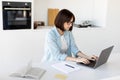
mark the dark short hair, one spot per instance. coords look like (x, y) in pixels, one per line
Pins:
(63, 16)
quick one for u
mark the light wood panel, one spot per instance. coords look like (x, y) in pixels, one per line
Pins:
(51, 16)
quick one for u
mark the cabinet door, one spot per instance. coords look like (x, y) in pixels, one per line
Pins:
(51, 16)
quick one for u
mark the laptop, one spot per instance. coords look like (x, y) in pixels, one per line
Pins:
(103, 57)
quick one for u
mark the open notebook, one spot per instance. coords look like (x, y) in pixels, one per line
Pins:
(30, 72)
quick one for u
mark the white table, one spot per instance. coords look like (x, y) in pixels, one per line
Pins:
(107, 70)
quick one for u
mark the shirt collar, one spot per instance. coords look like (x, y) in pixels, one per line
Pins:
(57, 33)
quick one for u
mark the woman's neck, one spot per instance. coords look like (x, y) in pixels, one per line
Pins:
(60, 31)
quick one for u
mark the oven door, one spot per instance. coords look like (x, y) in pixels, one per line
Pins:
(16, 18)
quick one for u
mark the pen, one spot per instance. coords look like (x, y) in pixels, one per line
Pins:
(69, 66)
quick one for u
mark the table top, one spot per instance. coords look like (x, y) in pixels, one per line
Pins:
(107, 70)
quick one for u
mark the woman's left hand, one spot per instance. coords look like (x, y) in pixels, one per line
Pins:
(93, 58)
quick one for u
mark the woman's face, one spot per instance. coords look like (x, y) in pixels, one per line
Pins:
(68, 25)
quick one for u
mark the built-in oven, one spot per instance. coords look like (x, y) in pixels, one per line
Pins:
(16, 15)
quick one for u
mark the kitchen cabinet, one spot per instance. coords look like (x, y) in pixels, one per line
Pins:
(51, 16)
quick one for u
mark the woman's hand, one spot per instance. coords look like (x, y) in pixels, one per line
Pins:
(83, 55)
(85, 59)
(93, 58)
(82, 60)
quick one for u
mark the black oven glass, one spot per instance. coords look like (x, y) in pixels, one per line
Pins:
(16, 15)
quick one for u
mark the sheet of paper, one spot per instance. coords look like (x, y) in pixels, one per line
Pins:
(65, 67)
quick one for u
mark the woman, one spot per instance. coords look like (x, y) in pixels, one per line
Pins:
(60, 44)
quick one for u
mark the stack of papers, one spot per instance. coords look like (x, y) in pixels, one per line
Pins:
(65, 67)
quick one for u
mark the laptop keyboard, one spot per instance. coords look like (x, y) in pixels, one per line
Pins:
(91, 64)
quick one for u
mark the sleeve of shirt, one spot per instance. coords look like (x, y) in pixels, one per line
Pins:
(54, 49)
(74, 48)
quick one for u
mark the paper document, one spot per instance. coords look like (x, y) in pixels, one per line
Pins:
(65, 67)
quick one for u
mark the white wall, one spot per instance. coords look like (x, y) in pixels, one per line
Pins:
(83, 10)
(18, 47)
(100, 12)
(113, 21)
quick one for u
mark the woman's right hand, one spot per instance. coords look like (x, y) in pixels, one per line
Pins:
(82, 60)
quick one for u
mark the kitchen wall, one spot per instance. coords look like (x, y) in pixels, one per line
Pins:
(18, 47)
(83, 10)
